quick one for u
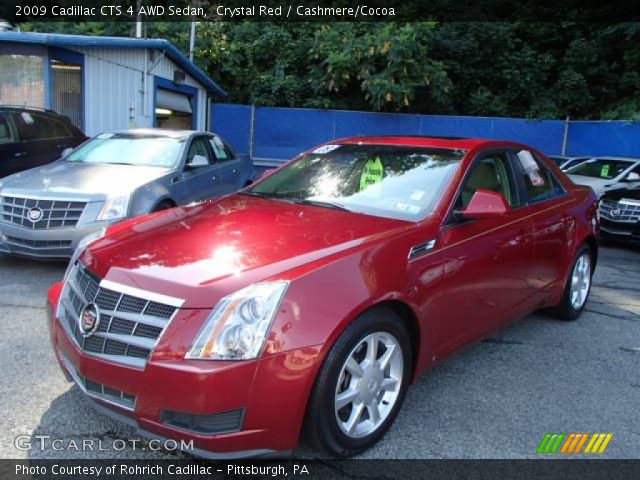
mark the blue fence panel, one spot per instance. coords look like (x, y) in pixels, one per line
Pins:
(232, 122)
(282, 133)
(545, 135)
(604, 138)
(349, 124)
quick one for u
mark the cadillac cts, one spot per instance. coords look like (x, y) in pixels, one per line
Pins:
(307, 303)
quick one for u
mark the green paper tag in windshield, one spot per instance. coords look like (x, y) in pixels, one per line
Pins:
(372, 173)
(605, 170)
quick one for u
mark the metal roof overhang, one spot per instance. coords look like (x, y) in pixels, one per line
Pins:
(60, 40)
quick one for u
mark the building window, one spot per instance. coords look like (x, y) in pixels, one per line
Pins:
(22, 80)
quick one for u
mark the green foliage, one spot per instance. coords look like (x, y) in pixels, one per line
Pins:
(519, 69)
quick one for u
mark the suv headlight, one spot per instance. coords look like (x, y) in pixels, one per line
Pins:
(239, 324)
(114, 208)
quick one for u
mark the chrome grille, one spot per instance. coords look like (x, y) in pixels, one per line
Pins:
(129, 326)
(626, 211)
(55, 213)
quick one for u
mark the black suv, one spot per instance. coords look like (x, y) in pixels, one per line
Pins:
(30, 137)
(620, 215)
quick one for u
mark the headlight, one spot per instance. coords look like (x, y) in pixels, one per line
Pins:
(239, 324)
(82, 246)
(114, 208)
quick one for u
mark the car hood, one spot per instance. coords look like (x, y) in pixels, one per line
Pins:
(203, 252)
(68, 178)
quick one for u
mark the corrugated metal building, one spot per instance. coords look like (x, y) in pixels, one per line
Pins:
(106, 83)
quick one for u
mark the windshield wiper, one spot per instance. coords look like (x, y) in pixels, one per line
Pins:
(257, 194)
(321, 203)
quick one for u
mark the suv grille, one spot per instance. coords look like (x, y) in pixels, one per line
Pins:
(129, 326)
(627, 211)
(53, 213)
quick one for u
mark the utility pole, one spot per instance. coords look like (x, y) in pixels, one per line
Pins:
(138, 21)
(192, 38)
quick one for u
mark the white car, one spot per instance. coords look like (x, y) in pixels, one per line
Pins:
(565, 163)
(604, 174)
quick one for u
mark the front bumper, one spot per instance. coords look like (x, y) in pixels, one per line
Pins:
(624, 231)
(52, 244)
(271, 392)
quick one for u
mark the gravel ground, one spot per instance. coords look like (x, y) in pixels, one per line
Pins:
(495, 400)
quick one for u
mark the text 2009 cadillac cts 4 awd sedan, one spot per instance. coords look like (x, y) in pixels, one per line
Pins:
(307, 303)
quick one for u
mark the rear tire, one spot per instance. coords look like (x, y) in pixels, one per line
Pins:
(361, 385)
(577, 288)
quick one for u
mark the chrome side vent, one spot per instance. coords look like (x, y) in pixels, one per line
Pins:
(421, 249)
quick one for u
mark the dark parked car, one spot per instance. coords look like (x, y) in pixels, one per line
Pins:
(45, 212)
(30, 137)
(620, 215)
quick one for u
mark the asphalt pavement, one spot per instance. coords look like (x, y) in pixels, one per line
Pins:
(497, 399)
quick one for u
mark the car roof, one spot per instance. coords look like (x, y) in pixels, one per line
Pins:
(460, 143)
(610, 157)
(159, 132)
(30, 108)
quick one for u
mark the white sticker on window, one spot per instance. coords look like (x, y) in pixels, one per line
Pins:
(325, 149)
(218, 148)
(28, 119)
(530, 167)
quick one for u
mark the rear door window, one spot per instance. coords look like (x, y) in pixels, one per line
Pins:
(219, 149)
(33, 126)
(538, 181)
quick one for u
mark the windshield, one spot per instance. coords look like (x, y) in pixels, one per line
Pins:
(128, 149)
(601, 168)
(387, 181)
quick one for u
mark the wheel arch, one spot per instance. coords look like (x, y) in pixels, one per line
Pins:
(165, 199)
(411, 323)
(593, 245)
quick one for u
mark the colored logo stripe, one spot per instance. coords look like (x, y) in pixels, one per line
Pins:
(572, 443)
(551, 442)
(598, 443)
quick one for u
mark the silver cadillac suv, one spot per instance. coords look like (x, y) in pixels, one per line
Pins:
(46, 211)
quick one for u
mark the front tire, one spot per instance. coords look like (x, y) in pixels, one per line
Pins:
(577, 288)
(361, 385)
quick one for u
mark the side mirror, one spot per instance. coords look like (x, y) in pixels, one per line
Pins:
(632, 177)
(198, 161)
(485, 204)
(66, 152)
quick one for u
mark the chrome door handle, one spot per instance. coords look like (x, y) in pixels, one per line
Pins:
(214, 178)
(235, 170)
(19, 154)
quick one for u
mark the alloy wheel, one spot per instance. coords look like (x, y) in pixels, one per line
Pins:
(369, 384)
(580, 281)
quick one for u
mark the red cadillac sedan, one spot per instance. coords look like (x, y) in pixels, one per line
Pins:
(305, 305)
